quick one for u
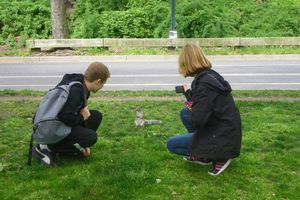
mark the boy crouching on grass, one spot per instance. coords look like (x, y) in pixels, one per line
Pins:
(76, 114)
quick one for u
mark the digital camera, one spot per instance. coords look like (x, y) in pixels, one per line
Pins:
(179, 89)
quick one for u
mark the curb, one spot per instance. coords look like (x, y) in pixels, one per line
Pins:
(71, 59)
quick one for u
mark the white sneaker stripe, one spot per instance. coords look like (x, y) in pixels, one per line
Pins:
(46, 158)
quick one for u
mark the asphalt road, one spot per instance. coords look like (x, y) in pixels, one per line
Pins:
(153, 74)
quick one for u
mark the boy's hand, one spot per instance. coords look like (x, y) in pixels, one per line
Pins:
(85, 113)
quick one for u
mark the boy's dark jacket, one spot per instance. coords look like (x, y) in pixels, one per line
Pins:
(70, 113)
(215, 116)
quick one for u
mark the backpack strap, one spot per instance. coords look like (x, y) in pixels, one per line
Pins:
(74, 82)
(31, 143)
(84, 93)
(30, 149)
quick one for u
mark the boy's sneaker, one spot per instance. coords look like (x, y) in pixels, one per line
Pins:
(44, 156)
(219, 167)
(200, 161)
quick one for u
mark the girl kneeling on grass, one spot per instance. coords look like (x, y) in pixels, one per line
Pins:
(211, 117)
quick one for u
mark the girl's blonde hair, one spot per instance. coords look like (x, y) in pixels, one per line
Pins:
(191, 60)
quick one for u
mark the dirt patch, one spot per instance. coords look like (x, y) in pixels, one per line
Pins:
(4, 48)
(55, 52)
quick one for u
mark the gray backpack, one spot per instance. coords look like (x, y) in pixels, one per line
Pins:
(47, 129)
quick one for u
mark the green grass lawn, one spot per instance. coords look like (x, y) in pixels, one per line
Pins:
(130, 163)
(159, 93)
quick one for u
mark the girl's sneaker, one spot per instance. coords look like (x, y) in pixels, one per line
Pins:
(200, 161)
(219, 167)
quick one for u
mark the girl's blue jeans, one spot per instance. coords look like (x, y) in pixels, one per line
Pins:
(180, 144)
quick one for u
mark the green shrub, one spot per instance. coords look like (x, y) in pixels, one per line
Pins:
(133, 23)
(206, 19)
(125, 19)
(86, 21)
(11, 41)
(151, 19)
(27, 18)
(270, 19)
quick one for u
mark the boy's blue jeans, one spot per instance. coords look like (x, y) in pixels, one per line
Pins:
(180, 144)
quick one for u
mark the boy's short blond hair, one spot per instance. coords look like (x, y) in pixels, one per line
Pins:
(95, 71)
(191, 60)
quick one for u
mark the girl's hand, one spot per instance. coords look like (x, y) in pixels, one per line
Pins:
(185, 87)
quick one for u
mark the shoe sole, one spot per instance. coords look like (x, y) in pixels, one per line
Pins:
(43, 158)
(221, 170)
(197, 162)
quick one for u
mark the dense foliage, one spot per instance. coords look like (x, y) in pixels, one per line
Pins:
(24, 19)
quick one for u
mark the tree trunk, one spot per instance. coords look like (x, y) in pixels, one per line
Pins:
(60, 28)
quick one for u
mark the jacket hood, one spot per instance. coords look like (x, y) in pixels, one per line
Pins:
(213, 80)
(67, 78)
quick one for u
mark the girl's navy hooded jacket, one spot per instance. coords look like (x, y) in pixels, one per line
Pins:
(215, 116)
(70, 113)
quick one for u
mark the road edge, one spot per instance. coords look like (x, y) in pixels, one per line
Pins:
(135, 58)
